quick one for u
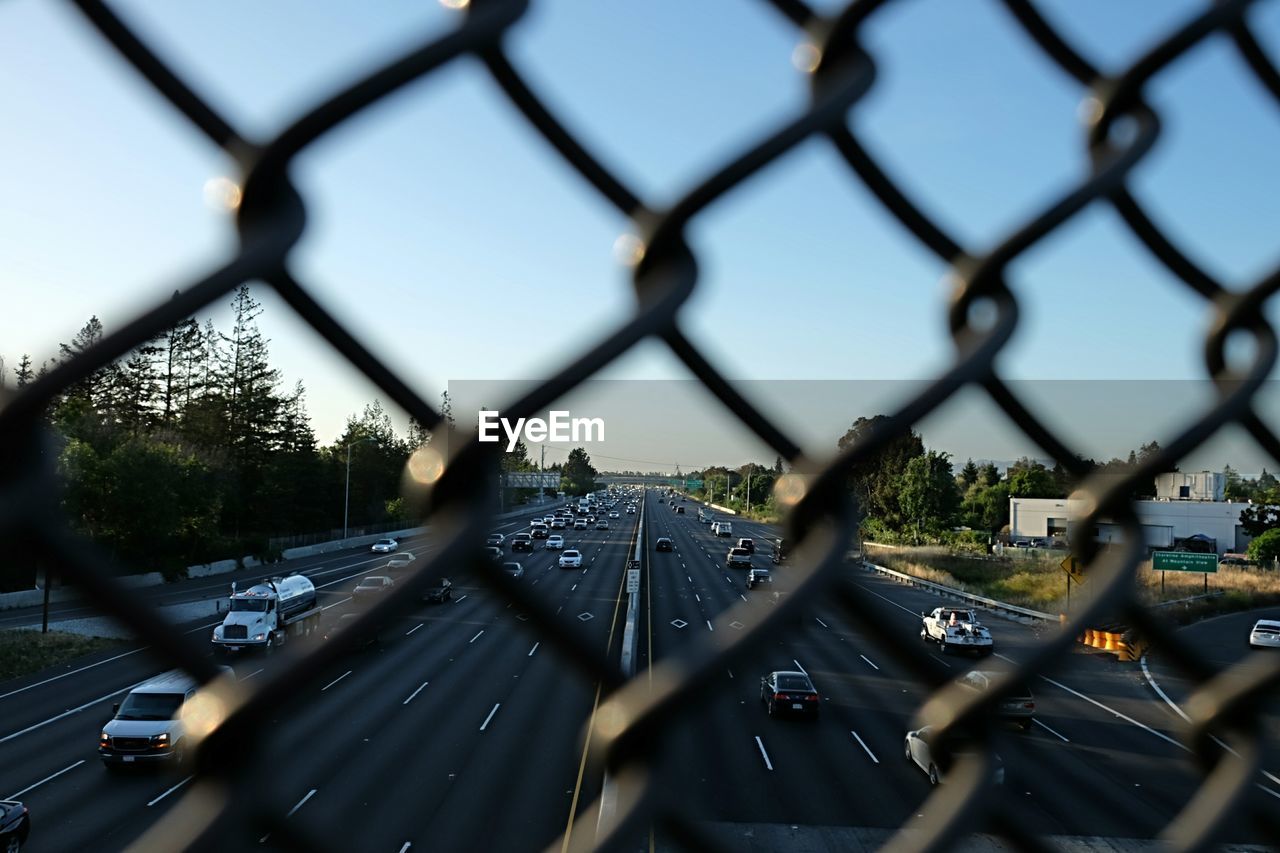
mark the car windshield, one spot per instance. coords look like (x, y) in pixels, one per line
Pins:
(150, 706)
(386, 542)
(371, 582)
(793, 682)
(571, 553)
(248, 605)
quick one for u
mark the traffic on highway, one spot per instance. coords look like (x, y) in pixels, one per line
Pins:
(440, 716)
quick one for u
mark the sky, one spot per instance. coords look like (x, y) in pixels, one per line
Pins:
(458, 246)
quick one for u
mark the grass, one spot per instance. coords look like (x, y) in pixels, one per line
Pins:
(25, 652)
(1038, 582)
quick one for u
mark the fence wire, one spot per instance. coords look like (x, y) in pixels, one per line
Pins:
(1120, 130)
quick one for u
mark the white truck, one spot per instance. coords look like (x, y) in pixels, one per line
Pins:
(957, 630)
(264, 616)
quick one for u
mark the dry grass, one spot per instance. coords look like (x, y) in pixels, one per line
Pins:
(1038, 582)
(25, 652)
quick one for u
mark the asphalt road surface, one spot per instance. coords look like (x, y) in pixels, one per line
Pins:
(459, 730)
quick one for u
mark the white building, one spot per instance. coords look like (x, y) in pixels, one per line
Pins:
(1200, 486)
(1163, 521)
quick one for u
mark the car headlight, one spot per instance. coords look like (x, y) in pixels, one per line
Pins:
(104, 740)
(259, 636)
(161, 740)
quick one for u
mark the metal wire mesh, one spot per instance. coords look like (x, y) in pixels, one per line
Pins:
(823, 517)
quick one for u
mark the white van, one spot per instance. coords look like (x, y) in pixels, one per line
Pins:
(147, 727)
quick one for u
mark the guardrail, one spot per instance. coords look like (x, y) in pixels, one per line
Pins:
(989, 603)
(1216, 594)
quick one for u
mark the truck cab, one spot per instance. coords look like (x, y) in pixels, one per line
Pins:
(260, 618)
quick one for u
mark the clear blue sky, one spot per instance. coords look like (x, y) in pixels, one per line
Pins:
(456, 242)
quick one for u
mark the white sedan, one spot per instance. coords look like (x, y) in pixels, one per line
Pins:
(919, 751)
(613, 514)
(571, 559)
(555, 543)
(1265, 635)
(385, 546)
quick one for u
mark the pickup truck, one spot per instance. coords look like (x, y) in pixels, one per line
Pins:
(955, 629)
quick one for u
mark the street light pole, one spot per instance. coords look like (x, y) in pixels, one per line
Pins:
(346, 500)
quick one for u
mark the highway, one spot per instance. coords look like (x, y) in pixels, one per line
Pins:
(461, 731)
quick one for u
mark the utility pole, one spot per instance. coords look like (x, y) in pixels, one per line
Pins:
(748, 491)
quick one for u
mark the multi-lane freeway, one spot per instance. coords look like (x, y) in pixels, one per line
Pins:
(461, 731)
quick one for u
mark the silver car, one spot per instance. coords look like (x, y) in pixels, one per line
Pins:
(1265, 635)
(919, 750)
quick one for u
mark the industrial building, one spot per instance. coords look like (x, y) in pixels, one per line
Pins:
(1188, 509)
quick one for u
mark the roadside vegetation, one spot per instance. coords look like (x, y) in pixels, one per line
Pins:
(25, 652)
(1036, 580)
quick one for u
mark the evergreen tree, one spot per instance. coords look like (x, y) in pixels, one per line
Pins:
(23, 375)
(969, 474)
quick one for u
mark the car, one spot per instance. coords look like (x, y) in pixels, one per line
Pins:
(602, 525)
(495, 539)
(522, 542)
(555, 543)
(631, 510)
(749, 544)
(614, 514)
(956, 629)
(738, 557)
(591, 519)
(579, 524)
(15, 824)
(538, 530)
(345, 622)
(663, 544)
(147, 728)
(399, 563)
(571, 559)
(780, 551)
(919, 749)
(756, 577)
(372, 587)
(385, 546)
(789, 692)
(558, 523)
(547, 519)
(439, 592)
(513, 570)
(1265, 634)
(1019, 707)
(680, 510)
(493, 554)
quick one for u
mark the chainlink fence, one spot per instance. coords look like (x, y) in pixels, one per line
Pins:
(1120, 130)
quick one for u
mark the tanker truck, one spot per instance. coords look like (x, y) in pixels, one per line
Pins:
(264, 616)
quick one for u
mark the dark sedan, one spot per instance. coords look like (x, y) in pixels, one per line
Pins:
(439, 593)
(787, 692)
(521, 542)
(15, 824)
(663, 544)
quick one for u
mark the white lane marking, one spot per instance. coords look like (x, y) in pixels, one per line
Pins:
(730, 672)
(767, 763)
(415, 693)
(869, 663)
(335, 681)
(534, 649)
(891, 601)
(411, 630)
(864, 746)
(476, 637)
(74, 671)
(1114, 712)
(695, 595)
(689, 578)
(1051, 731)
(301, 802)
(51, 776)
(709, 628)
(943, 662)
(460, 600)
(406, 846)
(170, 791)
(252, 674)
(743, 597)
(1152, 681)
(74, 710)
(1267, 790)
(485, 724)
(729, 579)
(820, 622)
(799, 667)
(328, 606)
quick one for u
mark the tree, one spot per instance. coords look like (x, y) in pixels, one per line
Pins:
(577, 476)
(1263, 514)
(777, 464)
(875, 480)
(1032, 481)
(986, 507)
(928, 493)
(1235, 489)
(23, 375)
(969, 474)
(989, 475)
(1266, 548)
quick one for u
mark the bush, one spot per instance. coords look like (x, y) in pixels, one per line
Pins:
(1266, 547)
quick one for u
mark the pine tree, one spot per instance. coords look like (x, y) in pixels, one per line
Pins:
(23, 375)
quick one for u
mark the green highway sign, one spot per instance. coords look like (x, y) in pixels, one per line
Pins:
(1182, 561)
(693, 484)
